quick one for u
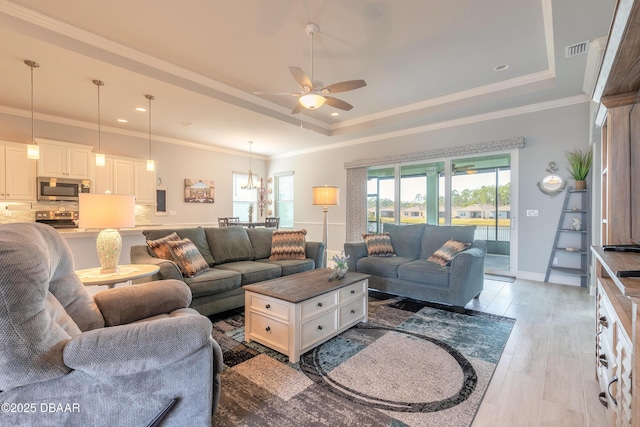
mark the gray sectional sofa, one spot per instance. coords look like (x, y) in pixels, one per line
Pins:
(409, 273)
(238, 256)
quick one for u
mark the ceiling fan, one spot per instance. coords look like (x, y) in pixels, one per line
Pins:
(313, 94)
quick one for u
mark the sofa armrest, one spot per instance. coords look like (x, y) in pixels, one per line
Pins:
(315, 251)
(137, 347)
(127, 304)
(168, 269)
(466, 278)
(355, 251)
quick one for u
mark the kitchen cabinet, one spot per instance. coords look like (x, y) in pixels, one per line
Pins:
(18, 174)
(64, 160)
(125, 175)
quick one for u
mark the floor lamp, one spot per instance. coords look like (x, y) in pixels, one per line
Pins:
(326, 196)
(107, 212)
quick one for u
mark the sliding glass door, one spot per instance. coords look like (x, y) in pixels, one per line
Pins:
(459, 191)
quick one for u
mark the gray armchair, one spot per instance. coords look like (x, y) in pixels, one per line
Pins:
(133, 356)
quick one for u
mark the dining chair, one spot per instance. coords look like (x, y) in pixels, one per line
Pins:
(223, 222)
(272, 222)
(232, 220)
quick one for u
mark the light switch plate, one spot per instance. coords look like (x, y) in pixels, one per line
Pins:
(532, 212)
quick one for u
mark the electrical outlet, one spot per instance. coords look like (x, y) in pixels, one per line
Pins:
(532, 212)
(555, 260)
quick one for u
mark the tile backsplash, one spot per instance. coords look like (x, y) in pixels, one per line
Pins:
(26, 212)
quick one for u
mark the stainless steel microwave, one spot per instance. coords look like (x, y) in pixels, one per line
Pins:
(61, 189)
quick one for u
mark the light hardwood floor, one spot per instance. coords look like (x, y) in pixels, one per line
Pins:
(546, 376)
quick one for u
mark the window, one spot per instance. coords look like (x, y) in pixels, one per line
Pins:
(283, 188)
(243, 198)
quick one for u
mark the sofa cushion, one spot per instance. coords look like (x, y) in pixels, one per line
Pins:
(292, 266)
(445, 254)
(423, 271)
(213, 281)
(406, 239)
(160, 248)
(196, 235)
(186, 255)
(381, 266)
(229, 244)
(252, 271)
(378, 245)
(288, 244)
(261, 241)
(437, 235)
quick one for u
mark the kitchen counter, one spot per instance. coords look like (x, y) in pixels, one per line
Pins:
(75, 233)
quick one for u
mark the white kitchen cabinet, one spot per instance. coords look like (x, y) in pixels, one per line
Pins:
(144, 183)
(18, 175)
(125, 175)
(64, 160)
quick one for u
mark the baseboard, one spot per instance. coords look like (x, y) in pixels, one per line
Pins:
(559, 279)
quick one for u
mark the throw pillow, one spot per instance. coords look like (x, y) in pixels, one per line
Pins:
(188, 257)
(288, 244)
(378, 244)
(445, 254)
(160, 248)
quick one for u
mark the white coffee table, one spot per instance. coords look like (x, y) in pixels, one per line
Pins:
(296, 313)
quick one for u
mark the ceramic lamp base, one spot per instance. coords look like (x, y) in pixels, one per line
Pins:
(109, 246)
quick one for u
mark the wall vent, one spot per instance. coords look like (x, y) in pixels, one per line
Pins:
(576, 49)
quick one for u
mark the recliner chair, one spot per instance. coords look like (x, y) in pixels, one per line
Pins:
(129, 356)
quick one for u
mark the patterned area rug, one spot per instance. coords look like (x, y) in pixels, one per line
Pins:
(411, 364)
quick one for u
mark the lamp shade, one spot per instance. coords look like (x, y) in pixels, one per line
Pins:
(106, 211)
(326, 196)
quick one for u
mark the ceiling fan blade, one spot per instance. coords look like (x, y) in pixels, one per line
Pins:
(303, 80)
(297, 109)
(343, 86)
(269, 92)
(337, 103)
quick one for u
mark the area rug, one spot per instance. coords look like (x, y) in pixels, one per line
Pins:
(411, 364)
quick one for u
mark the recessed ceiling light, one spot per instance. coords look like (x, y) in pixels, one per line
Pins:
(335, 113)
(185, 124)
(142, 109)
(501, 67)
(123, 120)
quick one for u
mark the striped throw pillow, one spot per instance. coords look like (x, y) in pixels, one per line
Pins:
(188, 257)
(378, 244)
(445, 254)
(288, 244)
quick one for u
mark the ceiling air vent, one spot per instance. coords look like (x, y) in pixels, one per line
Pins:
(576, 49)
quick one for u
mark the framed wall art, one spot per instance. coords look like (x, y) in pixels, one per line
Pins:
(199, 191)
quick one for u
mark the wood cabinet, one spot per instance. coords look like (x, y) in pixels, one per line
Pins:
(617, 337)
(18, 173)
(125, 175)
(64, 160)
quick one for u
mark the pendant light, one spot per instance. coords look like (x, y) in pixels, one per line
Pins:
(151, 165)
(100, 159)
(250, 184)
(33, 151)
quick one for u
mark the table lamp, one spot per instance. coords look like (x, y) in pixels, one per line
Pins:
(107, 212)
(326, 196)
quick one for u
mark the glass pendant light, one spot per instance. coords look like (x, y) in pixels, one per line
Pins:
(33, 151)
(250, 184)
(100, 159)
(151, 165)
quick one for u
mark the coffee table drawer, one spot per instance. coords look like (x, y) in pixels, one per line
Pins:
(317, 329)
(274, 333)
(352, 312)
(352, 291)
(268, 305)
(318, 305)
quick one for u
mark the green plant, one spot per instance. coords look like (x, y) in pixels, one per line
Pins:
(579, 163)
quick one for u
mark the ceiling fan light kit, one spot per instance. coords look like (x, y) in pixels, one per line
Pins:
(313, 94)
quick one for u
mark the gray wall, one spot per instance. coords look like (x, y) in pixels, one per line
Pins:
(548, 134)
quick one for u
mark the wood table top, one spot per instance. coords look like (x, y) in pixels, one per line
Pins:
(299, 287)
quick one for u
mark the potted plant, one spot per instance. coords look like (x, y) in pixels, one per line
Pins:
(340, 264)
(579, 166)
